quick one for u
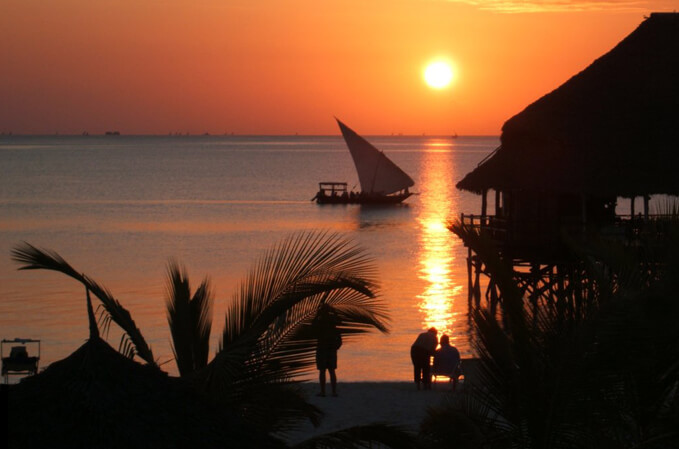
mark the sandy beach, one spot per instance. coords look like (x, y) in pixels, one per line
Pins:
(370, 402)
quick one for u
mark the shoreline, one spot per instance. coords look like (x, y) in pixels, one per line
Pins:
(370, 402)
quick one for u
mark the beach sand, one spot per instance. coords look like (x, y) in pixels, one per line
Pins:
(370, 402)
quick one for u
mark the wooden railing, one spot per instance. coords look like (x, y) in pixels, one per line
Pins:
(496, 227)
(624, 227)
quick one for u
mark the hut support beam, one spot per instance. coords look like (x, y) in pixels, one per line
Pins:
(631, 206)
(484, 206)
(497, 203)
(646, 198)
(477, 280)
(470, 283)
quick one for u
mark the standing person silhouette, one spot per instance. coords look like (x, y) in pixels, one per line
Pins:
(329, 340)
(420, 354)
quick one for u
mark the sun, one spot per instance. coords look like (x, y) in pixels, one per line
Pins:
(438, 74)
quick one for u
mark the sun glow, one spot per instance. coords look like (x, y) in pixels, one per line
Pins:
(438, 74)
(439, 302)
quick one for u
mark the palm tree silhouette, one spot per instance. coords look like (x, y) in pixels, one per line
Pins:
(268, 340)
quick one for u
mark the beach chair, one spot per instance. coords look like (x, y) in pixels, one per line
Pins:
(465, 373)
(18, 362)
(452, 373)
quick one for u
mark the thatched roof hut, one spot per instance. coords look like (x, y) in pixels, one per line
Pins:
(611, 130)
(98, 398)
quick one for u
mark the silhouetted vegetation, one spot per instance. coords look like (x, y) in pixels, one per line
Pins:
(246, 396)
(603, 375)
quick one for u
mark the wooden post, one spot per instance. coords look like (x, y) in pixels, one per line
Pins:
(470, 284)
(631, 206)
(484, 206)
(494, 298)
(477, 280)
(497, 203)
(646, 198)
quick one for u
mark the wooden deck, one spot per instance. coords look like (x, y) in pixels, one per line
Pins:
(533, 240)
(543, 261)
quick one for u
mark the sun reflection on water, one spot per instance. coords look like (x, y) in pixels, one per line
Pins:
(443, 288)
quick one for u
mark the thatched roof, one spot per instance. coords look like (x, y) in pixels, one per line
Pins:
(97, 398)
(612, 129)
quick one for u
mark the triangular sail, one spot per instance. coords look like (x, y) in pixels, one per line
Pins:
(376, 173)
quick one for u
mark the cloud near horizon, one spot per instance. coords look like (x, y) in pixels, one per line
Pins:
(536, 6)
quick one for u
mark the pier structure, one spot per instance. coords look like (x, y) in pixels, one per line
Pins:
(543, 263)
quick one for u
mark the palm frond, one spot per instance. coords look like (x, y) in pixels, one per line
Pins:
(446, 426)
(302, 257)
(33, 258)
(103, 320)
(94, 329)
(377, 435)
(126, 347)
(201, 313)
(178, 297)
(263, 338)
(279, 408)
(530, 370)
(189, 319)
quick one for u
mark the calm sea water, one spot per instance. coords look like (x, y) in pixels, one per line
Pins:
(117, 207)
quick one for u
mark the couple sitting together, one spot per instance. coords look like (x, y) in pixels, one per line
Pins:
(446, 359)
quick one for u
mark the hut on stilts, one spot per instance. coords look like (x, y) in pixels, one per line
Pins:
(608, 134)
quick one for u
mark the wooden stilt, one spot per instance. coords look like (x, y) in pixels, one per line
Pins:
(484, 207)
(470, 285)
(477, 281)
(631, 206)
(498, 207)
(646, 198)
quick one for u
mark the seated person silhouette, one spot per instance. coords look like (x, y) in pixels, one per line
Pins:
(447, 361)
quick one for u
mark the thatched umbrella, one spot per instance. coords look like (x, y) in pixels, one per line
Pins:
(611, 130)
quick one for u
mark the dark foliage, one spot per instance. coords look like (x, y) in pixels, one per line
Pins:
(98, 397)
(605, 376)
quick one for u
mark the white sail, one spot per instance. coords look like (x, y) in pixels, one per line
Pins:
(376, 173)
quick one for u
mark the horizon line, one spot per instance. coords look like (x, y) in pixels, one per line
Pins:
(11, 134)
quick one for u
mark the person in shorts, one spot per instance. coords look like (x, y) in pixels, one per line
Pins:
(329, 340)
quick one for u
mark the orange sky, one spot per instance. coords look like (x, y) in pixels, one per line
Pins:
(282, 67)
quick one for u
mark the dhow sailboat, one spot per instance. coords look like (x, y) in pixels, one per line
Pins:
(382, 181)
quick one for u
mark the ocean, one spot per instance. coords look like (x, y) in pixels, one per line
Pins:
(119, 207)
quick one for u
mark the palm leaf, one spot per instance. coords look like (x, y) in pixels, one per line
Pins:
(33, 258)
(189, 318)
(178, 297)
(201, 312)
(365, 436)
(279, 408)
(263, 339)
(94, 330)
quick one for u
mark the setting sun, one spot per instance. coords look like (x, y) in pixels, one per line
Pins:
(438, 75)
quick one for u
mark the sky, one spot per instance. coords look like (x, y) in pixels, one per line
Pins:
(289, 66)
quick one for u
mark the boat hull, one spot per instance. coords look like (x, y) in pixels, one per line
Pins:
(363, 199)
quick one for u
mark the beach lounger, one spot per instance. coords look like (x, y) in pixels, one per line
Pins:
(18, 362)
(464, 371)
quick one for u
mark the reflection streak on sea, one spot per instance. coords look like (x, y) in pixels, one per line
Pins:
(437, 303)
